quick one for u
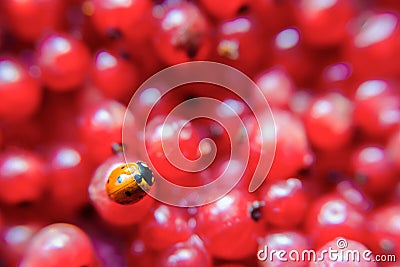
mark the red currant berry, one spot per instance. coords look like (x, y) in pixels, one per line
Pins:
(63, 61)
(59, 245)
(331, 217)
(160, 140)
(240, 44)
(329, 121)
(30, 19)
(229, 226)
(115, 17)
(140, 255)
(182, 32)
(384, 230)
(100, 127)
(20, 94)
(166, 224)
(185, 254)
(373, 44)
(285, 203)
(373, 170)
(324, 22)
(377, 107)
(114, 76)
(277, 87)
(70, 176)
(22, 176)
(15, 239)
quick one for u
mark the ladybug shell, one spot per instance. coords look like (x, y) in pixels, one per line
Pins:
(128, 183)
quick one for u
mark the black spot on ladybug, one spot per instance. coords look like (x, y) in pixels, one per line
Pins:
(123, 167)
(145, 172)
(108, 181)
(128, 193)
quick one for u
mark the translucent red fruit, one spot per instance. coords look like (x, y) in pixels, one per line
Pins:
(230, 222)
(373, 170)
(324, 23)
(344, 255)
(112, 17)
(163, 140)
(292, 148)
(185, 254)
(166, 224)
(277, 87)
(285, 203)
(59, 245)
(22, 176)
(20, 94)
(63, 61)
(110, 211)
(30, 19)
(331, 216)
(100, 126)
(70, 174)
(373, 43)
(384, 230)
(240, 44)
(286, 241)
(14, 240)
(329, 121)
(377, 107)
(114, 76)
(182, 32)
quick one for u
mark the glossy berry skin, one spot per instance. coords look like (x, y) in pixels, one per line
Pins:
(285, 203)
(112, 18)
(336, 261)
(324, 22)
(63, 61)
(59, 245)
(373, 171)
(185, 254)
(100, 126)
(377, 107)
(29, 20)
(113, 75)
(22, 176)
(367, 50)
(182, 33)
(329, 121)
(330, 216)
(384, 230)
(19, 92)
(128, 183)
(229, 222)
(166, 224)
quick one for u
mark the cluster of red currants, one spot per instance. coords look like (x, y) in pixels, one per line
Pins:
(68, 68)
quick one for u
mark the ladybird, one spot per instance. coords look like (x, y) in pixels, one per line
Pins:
(128, 182)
